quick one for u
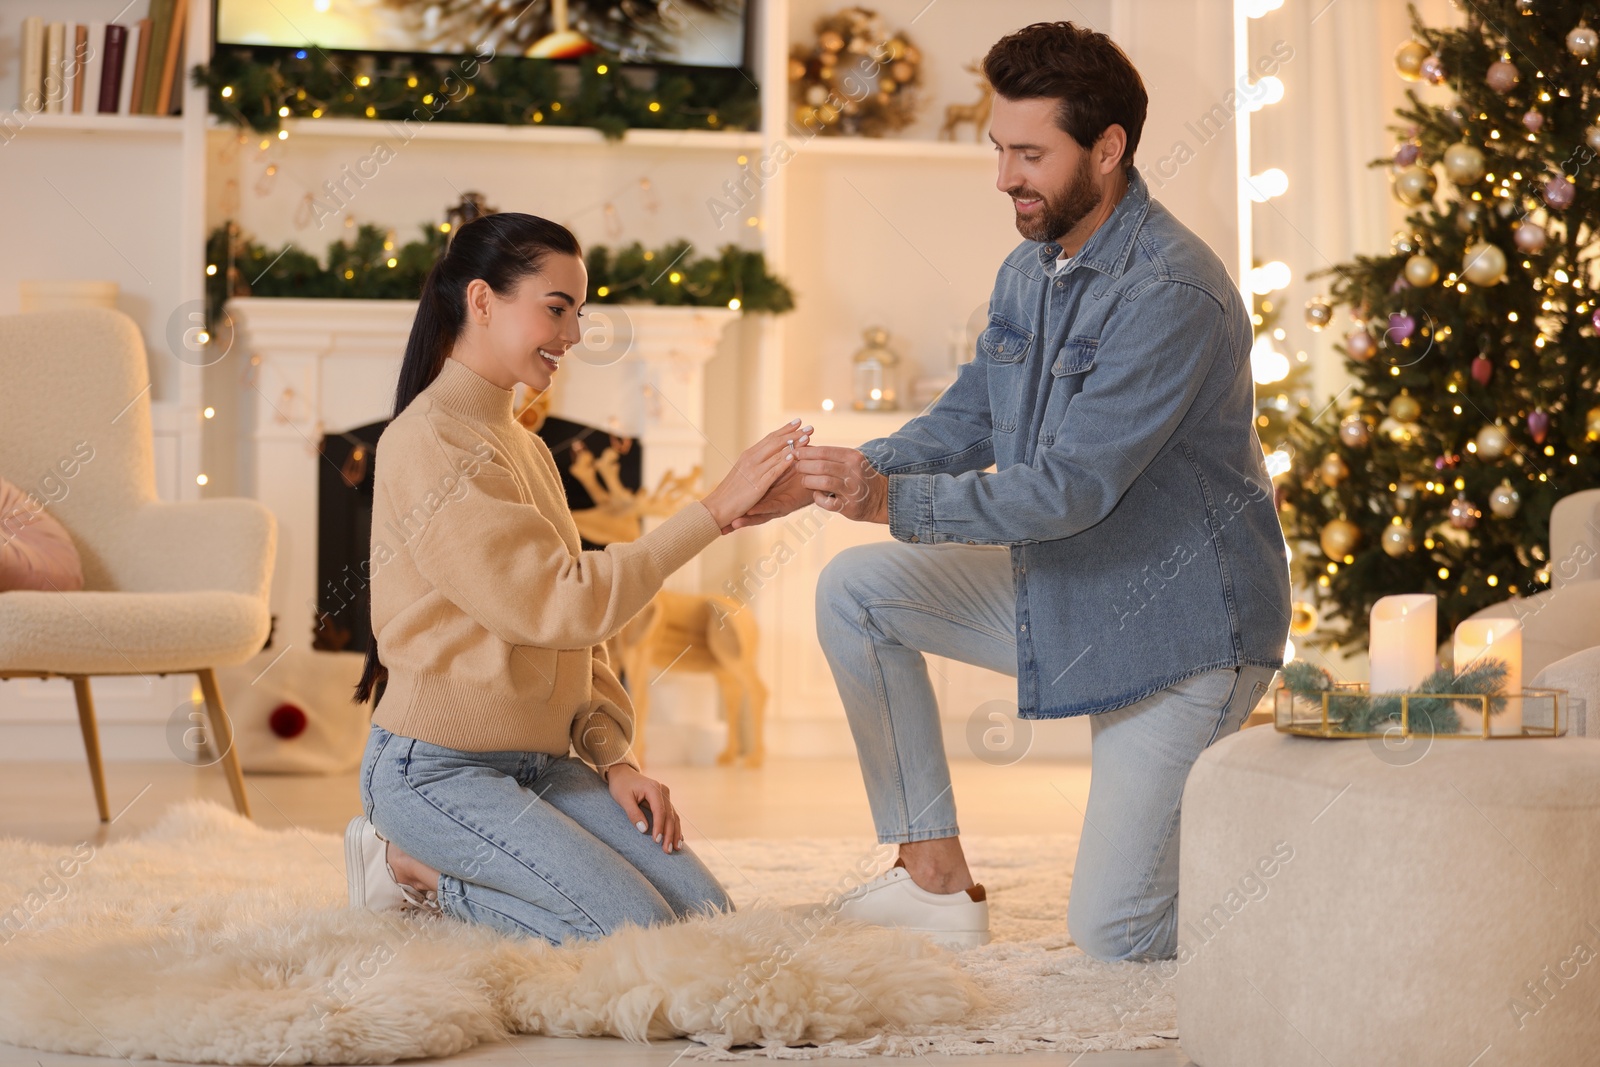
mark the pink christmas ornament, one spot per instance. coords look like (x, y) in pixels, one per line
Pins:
(1538, 425)
(1530, 237)
(1401, 327)
(1533, 120)
(1558, 192)
(1406, 154)
(1482, 370)
(1502, 76)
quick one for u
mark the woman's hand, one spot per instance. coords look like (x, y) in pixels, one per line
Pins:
(759, 466)
(630, 789)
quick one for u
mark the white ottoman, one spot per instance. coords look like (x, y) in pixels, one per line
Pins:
(1342, 903)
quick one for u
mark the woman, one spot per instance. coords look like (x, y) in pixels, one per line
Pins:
(488, 661)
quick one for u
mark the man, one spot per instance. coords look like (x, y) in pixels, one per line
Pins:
(1123, 559)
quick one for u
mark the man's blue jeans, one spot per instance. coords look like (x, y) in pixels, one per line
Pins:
(526, 842)
(880, 607)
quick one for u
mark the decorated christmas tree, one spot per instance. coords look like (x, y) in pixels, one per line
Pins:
(1472, 341)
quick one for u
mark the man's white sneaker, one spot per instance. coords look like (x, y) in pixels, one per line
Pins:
(954, 920)
(371, 882)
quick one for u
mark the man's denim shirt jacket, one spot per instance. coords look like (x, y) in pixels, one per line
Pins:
(1116, 404)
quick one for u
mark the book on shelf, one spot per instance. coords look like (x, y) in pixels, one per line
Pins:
(141, 47)
(30, 92)
(77, 66)
(104, 68)
(55, 47)
(111, 70)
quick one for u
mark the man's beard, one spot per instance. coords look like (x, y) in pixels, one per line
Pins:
(1058, 215)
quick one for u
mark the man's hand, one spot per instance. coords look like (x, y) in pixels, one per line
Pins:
(842, 480)
(786, 495)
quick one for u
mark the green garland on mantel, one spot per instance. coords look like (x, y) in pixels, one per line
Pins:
(360, 269)
(597, 90)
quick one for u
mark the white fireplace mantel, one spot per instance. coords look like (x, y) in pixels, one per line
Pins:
(325, 366)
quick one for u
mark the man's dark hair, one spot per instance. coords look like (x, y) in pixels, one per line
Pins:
(1093, 78)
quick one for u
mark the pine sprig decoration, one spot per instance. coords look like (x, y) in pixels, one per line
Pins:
(598, 90)
(1533, 336)
(1359, 713)
(359, 269)
(670, 276)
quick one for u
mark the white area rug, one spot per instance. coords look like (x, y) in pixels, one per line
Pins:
(211, 940)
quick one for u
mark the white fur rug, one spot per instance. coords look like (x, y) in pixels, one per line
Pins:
(209, 939)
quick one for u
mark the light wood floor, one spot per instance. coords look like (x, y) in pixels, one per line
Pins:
(788, 798)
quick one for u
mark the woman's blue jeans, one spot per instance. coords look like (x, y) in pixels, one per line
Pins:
(527, 842)
(880, 607)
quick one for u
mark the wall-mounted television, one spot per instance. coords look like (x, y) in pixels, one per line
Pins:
(701, 33)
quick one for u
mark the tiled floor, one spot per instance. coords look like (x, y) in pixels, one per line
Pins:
(54, 802)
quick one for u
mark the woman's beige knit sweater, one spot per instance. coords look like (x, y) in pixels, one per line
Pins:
(488, 616)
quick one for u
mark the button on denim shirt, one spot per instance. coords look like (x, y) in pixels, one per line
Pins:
(1116, 404)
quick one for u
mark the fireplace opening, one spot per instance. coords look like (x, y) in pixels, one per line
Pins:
(342, 615)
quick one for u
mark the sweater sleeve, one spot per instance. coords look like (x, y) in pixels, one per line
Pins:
(503, 562)
(602, 734)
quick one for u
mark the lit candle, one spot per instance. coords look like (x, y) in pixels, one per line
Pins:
(1402, 646)
(1500, 639)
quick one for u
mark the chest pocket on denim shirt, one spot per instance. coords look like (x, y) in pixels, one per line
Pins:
(1067, 374)
(1005, 345)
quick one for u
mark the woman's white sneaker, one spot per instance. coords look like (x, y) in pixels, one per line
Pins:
(955, 920)
(370, 880)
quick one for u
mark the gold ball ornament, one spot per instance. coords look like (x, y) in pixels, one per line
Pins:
(1405, 407)
(1339, 538)
(1398, 539)
(1504, 500)
(1421, 271)
(1464, 163)
(1408, 60)
(1303, 618)
(1492, 442)
(1583, 42)
(1591, 137)
(1414, 185)
(1332, 470)
(1319, 313)
(1469, 215)
(1483, 264)
(1592, 425)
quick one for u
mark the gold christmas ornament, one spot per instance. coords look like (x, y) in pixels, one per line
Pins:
(1592, 425)
(1464, 163)
(1483, 264)
(1332, 470)
(1408, 60)
(1397, 539)
(1583, 42)
(1339, 538)
(1492, 442)
(1319, 313)
(1504, 500)
(1414, 185)
(1502, 76)
(1421, 271)
(1469, 215)
(1405, 407)
(1591, 137)
(1303, 618)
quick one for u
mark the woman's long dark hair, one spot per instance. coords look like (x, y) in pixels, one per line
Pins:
(502, 249)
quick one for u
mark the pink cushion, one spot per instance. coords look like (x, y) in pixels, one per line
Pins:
(36, 552)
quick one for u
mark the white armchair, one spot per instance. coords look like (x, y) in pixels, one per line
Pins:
(169, 588)
(1561, 626)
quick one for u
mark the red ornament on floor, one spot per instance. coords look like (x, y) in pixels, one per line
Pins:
(287, 721)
